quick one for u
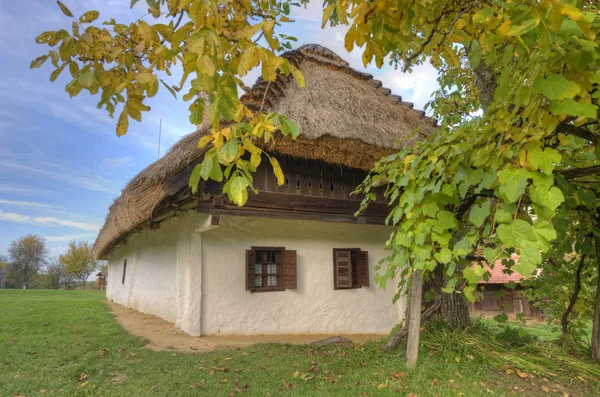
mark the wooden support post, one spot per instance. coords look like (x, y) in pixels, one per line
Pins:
(414, 325)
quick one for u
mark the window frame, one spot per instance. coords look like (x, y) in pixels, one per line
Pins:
(279, 269)
(353, 264)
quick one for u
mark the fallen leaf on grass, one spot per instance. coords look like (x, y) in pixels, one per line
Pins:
(197, 385)
(220, 369)
(31, 353)
(433, 382)
(224, 380)
(288, 384)
(20, 395)
(582, 379)
(103, 353)
(120, 350)
(132, 355)
(398, 375)
(118, 378)
(523, 375)
(545, 389)
(382, 385)
(45, 325)
(83, 376)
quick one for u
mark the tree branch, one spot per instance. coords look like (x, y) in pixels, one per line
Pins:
(565, 318)
(579, 172)
(578, 132)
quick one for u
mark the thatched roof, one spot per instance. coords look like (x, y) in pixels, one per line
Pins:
(346, 117)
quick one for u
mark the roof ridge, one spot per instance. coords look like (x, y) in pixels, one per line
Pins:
(257, 100)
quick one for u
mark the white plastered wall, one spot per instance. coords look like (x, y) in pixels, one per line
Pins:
(193, 274)
(314, 307)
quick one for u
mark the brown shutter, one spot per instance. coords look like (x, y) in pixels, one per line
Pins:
(362, 269)
(289, 269)
(250, 268)
(342, 268)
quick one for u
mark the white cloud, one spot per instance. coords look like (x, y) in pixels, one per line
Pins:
(23, 190)
(111, 163)
(24, 204)
(46, 221)
(87, 182)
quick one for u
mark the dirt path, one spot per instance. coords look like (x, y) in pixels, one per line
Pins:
(162, 335)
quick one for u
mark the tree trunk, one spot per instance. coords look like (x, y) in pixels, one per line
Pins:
(454, 309)
(485, 79)
(596, 325)
(565, 318)
(414, 325)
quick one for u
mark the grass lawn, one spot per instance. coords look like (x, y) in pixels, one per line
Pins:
(67, 343)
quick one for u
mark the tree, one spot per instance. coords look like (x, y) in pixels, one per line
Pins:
(55, 272)
(27, 256)
(517, 104)
(79, 261)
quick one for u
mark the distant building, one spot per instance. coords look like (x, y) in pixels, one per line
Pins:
(493, 297)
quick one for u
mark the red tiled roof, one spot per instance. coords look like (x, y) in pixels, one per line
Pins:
(498, 275)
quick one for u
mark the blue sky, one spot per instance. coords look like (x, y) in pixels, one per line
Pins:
(61, 163)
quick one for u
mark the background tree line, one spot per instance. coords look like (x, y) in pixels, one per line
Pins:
(29, 264)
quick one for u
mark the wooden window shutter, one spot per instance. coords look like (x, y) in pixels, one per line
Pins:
(289, 269)
(342, 276)
(250, 269)
(362, 269)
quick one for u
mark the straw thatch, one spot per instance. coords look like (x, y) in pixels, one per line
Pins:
(346, 117)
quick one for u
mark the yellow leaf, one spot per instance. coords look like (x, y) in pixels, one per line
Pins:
(297, 76)
(206, 66)
(205, 140)
(277, 171)
(123, 123)
(327, 14)
(247, 60)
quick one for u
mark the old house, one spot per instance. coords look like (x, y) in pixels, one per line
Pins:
(495, 297)
(294, 259)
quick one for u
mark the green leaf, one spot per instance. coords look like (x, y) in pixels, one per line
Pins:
(64, 9)
(195, 178)
(479, 213)
(444, 256)
(573, 108)
(446, 220)
(246, 60)
(544, 160)
(197, 112)
(555, 87)
(515, 233)
(475, 54)
(238, 190)
(38, 62)
(512, 182)
(546, 234)
(474, 274)
(207, 166)
(529, 259)
(519, 30)
(216, 173)
(288, 127)
(171, 90)
(550, 198)
(57, 72)
(501, 318)
(86, 79)
(229, 151)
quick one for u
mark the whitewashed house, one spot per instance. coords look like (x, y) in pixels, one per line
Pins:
(294, 260)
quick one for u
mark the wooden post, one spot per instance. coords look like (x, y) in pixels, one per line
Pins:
(414, 324)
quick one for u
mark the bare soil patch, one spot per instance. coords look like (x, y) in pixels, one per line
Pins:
(163, 335)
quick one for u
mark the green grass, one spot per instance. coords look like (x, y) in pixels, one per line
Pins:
(67, 343)
(541, 330)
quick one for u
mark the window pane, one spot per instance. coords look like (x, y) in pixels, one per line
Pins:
(272, 268)
(259, 256)
(258, 269)
(272, 281)
(258, 281)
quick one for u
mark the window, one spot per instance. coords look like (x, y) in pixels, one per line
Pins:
(270, 269)
(124, 271)
(350, 268)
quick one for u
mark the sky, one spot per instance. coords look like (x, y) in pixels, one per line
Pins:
(61, 163)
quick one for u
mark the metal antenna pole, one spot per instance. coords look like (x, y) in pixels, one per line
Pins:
(159, 134)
